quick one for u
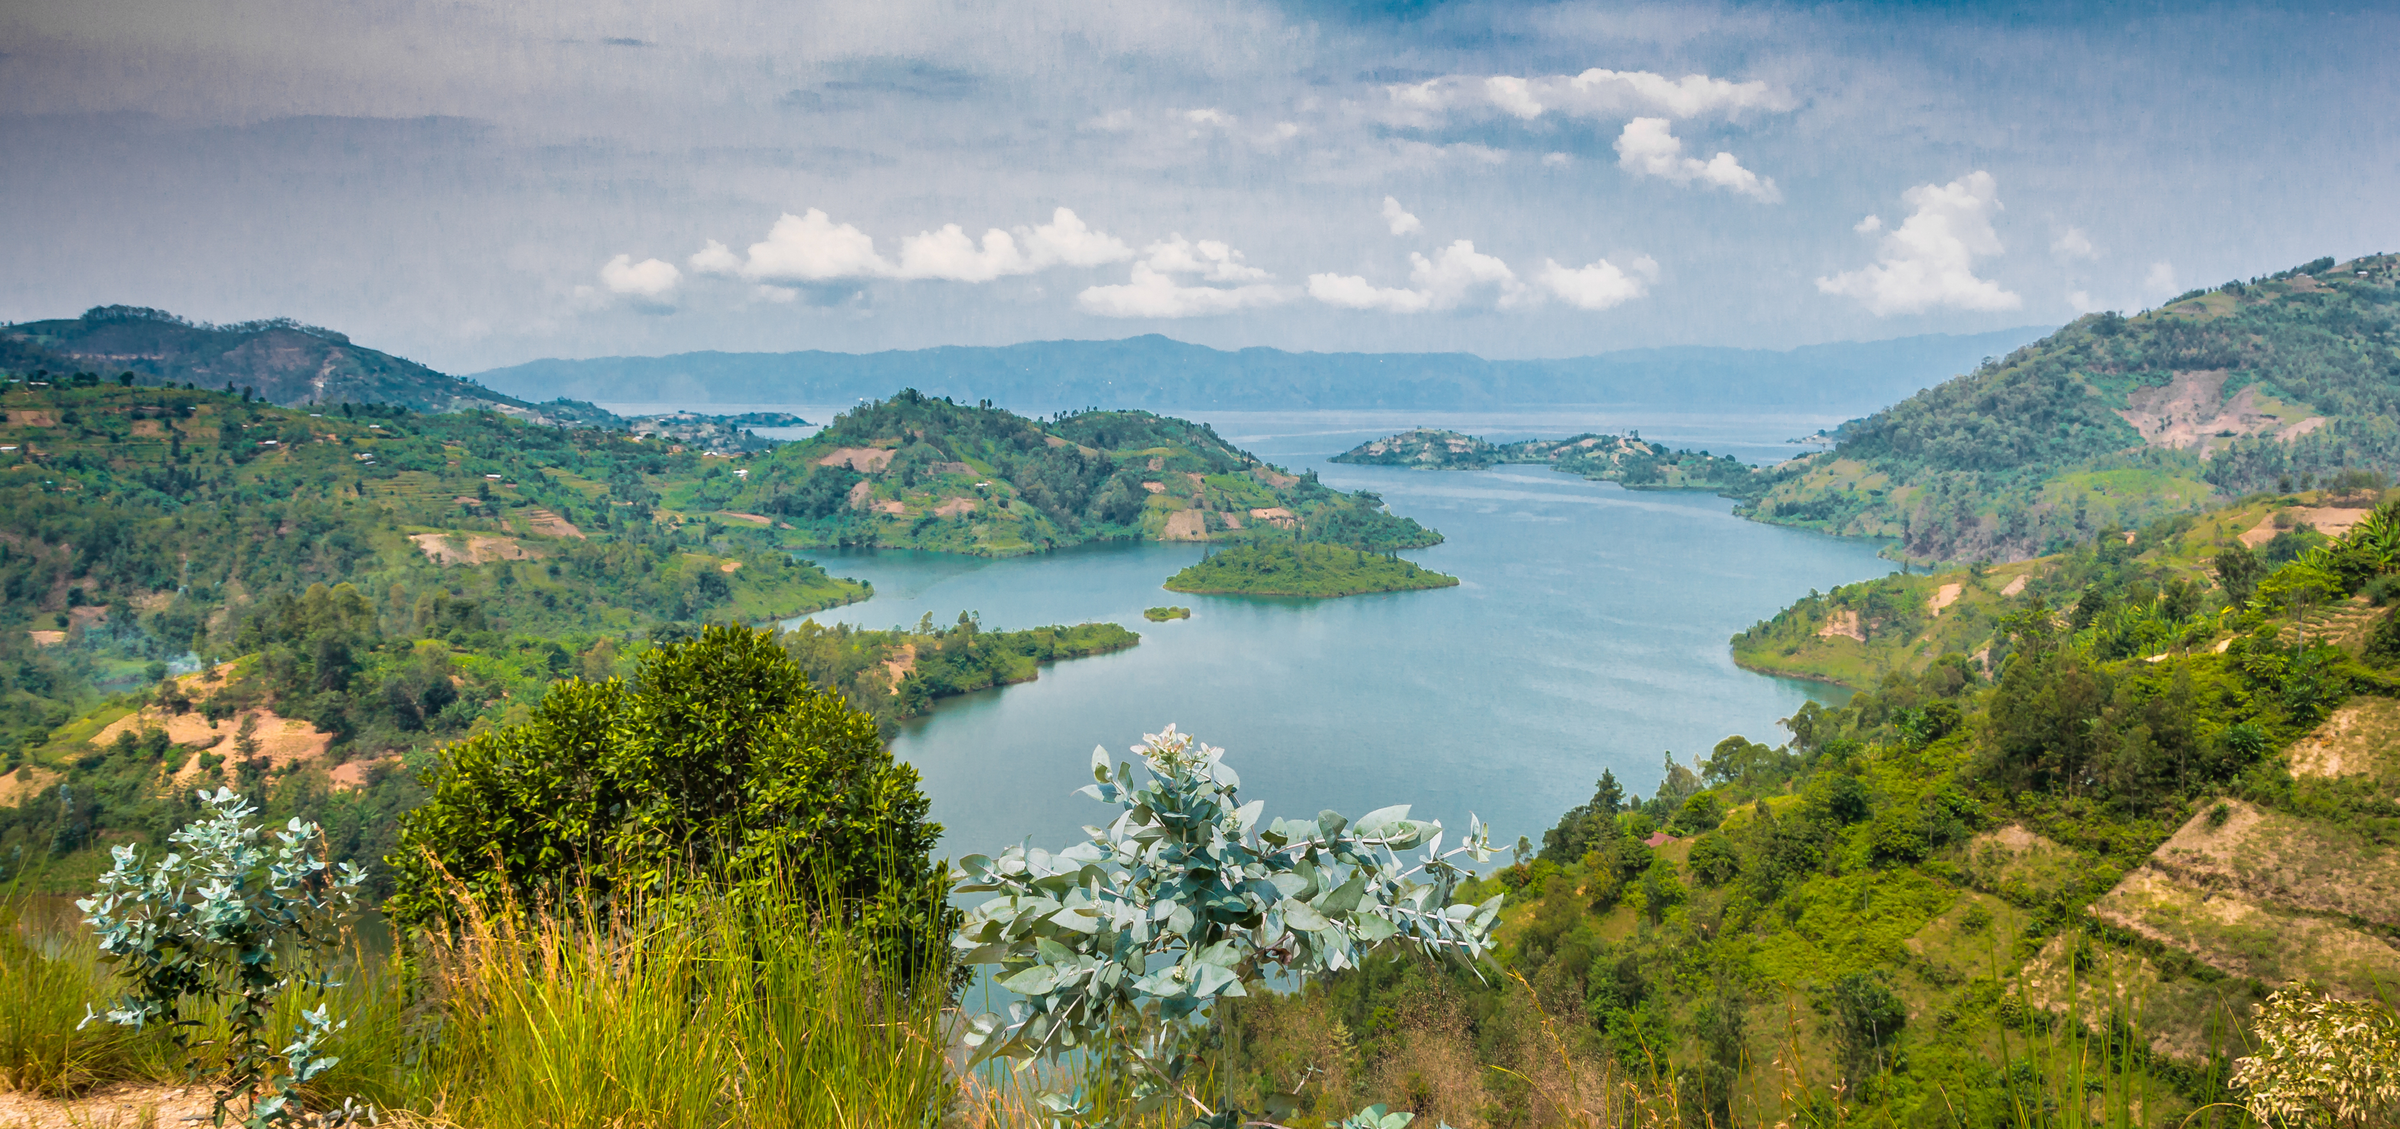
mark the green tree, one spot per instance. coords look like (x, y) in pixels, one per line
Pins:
(717, 753)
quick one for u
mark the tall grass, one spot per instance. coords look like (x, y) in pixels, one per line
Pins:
(701, 1006)
(46, 979)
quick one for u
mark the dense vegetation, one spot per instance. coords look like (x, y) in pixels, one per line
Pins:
(1302, 568)
(2278, 383)
(918, 472)
(2041, 891)
(1625, 459)
(201, 587)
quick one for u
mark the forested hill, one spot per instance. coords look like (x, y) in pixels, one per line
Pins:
(281, 360)
(1154, 372)
(918, 471)
(2277, 383)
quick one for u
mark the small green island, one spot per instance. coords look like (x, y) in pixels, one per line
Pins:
(1162, 615)
(1628, 460)
(1302, 568)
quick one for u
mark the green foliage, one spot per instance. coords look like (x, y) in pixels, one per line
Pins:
(1162, 615)
(2028, 453)
(717, 752)
(1185, 899)
(1609, 458)
(939, 662)
(224, 922)
(1301, 568)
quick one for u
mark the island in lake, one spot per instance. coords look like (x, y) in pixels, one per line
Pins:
(1302, 568)
(1626, 459)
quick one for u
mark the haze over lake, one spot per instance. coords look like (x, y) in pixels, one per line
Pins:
(1588, 633)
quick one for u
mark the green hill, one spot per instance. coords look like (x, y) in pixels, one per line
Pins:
(920, 472)
(2279, 383)
(1288, 568)
(282, 360)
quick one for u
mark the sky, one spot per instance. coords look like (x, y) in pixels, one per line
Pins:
(473, 185)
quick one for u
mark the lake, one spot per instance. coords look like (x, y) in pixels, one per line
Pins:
(1588, 633)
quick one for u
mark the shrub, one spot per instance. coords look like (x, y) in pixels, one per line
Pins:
(718, 750)
(222, 922)
(1121, 942)
(2322, 1061)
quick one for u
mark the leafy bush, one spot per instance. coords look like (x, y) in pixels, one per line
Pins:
(719, 749)
(222, 922)
(1183, 900)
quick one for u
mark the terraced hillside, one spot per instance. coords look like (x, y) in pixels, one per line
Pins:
(920, 472)
(2279, 383)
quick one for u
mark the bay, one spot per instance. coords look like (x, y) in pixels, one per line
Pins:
(1588, 633)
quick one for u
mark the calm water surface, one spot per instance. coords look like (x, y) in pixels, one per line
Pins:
(1588, 633)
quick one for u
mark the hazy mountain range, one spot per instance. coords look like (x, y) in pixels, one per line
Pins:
(1160, 373)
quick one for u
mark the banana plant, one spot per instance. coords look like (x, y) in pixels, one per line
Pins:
(1121, 943)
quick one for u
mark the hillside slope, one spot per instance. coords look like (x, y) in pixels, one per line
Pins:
(917, 471)
(2085, 814)
(2279, 383)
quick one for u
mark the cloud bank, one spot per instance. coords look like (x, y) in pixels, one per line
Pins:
(811, 248)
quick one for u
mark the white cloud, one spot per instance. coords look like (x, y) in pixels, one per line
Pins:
(2073, 245)
(1557, 160)
(1207, 258)
(812, 248)
(1457, 274)
(1600, 285)
(2081, 301)
(802, 248)
(1402, 222)
(1208, 117)
(1647, 148)
(1114, 121)
(1597, 93)
(1514, 96)
(2161, 280)
(1868, 226)
(1152, 293)
(1929, 260)
(650, 278)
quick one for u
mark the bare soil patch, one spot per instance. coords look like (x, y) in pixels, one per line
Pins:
(864, 460)
(1842, 624)
(2241, 937)
(2017, 585)
(47, 638)
(899, 668)
(861, 496)
(111, 1107)
(1276, 515)
(2332, 521)
(1943, 597)
(954, 507)
(543, 523)
(2192, 410)
(1186, 525)
(462, 548)
(2361, 737)
(2284, 860)
(757, 519)
(25, 781)
(284, 741)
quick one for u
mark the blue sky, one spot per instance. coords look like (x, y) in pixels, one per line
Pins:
(474, 185)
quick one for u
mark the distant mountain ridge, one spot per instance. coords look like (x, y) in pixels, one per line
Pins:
(284, 361)
(1159, 373)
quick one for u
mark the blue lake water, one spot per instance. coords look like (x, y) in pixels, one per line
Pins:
(1588, 633)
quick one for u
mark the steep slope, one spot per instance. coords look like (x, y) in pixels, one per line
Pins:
(283, 361)
(2277, 383)
(917, 471)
